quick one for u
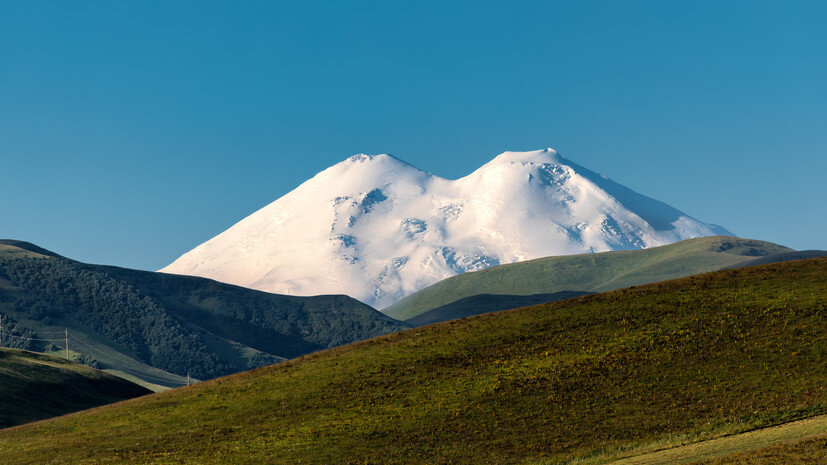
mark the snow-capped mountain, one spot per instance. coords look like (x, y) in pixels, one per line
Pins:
(377, 229)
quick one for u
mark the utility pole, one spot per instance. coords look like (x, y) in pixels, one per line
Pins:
(1, 330)
(67, 343)
(188, 378)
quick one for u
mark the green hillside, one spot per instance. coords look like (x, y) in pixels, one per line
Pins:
(593, 272)
(157, 327)
(601, 376)
(36, 386)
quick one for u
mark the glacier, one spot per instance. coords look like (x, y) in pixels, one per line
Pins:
(377, 229)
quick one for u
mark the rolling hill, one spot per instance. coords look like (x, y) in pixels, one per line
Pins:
(594, 378)
(36, 386)
(594, 272)
(159, 328)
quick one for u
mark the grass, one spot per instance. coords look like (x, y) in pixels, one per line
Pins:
(593, 272)
(795, 431)
(812, 451)
(12, 251)
(668, 363)
(36, 386)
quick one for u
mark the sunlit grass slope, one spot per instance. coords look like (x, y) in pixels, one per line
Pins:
(593, 272)
(696, 358)
(36, 386)
(810, 451)
(754, 443)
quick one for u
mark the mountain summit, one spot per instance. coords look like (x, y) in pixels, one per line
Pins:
(377, 229)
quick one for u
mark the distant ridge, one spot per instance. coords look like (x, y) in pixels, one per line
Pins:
(590, 272)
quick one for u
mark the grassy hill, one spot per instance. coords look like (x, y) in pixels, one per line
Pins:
(601, 376)
(157, 327)
(594, 272)
(36, 386)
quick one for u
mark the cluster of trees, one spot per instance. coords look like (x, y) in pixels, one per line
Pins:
(288, 326)
(16, 336)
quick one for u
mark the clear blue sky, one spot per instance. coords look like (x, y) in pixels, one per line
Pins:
(132, 131)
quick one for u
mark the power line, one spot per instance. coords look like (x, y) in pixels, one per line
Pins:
(110, 355)
(160, 380)
(116, 356)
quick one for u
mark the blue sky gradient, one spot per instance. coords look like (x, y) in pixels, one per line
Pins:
(132, 131)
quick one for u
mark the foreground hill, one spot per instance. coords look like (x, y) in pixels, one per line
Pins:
(594, 272)
(694, 358)
(160, 327)
(36, 386)
(377, 229)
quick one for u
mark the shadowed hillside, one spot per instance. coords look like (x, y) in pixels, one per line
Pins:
(36, 386)
(160, 327)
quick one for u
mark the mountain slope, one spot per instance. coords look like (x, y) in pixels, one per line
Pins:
(160, 327)
(377, 229)
(36, 386)
(589, 272)
(695, 358)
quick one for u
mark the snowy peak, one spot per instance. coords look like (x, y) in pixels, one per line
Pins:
(547, 156)
(376, 228)
(365, 172)
(372, 163)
